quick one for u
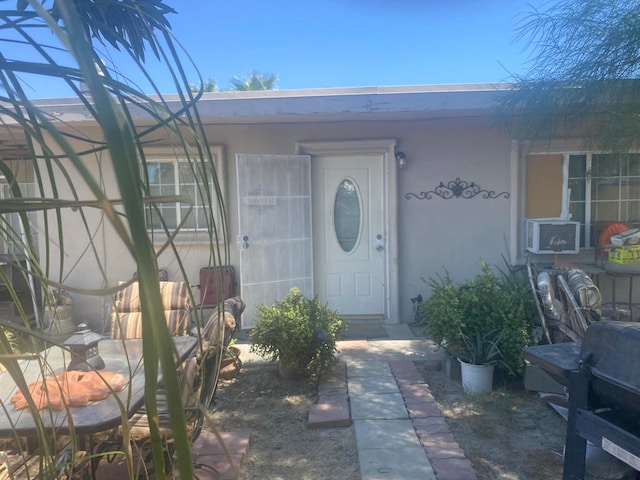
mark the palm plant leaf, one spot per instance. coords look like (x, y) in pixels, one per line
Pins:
(62, 180)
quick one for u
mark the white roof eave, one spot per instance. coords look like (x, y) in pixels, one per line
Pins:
(329, 104)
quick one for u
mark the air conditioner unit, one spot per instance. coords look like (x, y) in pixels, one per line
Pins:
(553, 235)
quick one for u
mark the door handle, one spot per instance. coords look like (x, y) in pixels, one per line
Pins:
(379, 243)
(243, 241)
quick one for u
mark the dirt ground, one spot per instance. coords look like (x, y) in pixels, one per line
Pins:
(276, 411)
(509, 435)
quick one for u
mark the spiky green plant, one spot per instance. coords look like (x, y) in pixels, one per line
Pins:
(80, 44)
(481, 348)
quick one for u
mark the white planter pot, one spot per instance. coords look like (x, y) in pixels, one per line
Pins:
(476, 378)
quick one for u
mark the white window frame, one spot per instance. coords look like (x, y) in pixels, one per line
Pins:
(168, 156)
(588, 189)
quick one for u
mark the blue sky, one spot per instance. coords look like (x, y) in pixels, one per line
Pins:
(344, 43)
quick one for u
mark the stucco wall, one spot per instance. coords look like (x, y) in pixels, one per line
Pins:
(436, 234)
(457, 233)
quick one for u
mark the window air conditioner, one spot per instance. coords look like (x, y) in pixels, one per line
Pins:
(553, 235)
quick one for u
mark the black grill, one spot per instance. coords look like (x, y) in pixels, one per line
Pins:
(602, 374)
(610, 357)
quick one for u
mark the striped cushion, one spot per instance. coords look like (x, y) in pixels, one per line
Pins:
(126, 325)
(232, 309)
(175, 296)
(126, 317)
(198, 375)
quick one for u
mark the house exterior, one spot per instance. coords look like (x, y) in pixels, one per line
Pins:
(357, 195)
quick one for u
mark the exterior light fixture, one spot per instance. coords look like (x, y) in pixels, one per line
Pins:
(402, 159)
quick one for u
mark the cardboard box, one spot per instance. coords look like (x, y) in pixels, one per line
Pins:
(625, 255)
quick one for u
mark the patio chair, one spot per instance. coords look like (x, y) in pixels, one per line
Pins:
(198, 378)
(126, 314)
(216, 284)
(225, 324)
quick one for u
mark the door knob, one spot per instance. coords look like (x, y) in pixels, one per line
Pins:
(379, 243)
(243, 241)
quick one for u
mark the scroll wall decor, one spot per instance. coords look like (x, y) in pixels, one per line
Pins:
(457, 188)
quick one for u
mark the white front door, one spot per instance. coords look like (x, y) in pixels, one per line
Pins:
(349, 244)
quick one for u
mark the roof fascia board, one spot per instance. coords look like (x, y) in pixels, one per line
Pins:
(283, 105)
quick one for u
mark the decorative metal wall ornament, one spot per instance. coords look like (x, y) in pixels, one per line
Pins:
(457, 188)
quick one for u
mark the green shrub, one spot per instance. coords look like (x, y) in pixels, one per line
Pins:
(487, 303)
(441, 314)
(298, 331)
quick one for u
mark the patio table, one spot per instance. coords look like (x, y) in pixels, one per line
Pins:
(97, 416)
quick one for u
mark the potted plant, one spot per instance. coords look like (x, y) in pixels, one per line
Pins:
(298, 332)
(479, 356)
(487, 319)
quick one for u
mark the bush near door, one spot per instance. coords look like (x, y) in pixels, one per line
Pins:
(298, 332)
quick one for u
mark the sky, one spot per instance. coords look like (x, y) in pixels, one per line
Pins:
(346, 43)
(350, 43)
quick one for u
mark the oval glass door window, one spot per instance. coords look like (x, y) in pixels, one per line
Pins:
(347, 215)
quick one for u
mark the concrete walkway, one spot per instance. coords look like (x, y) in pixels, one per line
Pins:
(399, 429)
(400, 432)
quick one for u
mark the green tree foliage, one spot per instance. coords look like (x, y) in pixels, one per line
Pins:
(255, 81)
(124, 24)
(210, 85)
(584, 67)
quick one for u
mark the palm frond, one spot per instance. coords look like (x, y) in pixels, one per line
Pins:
(66, 164)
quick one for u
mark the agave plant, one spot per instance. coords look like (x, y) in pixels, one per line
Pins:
(79, 44)
(481, 348)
